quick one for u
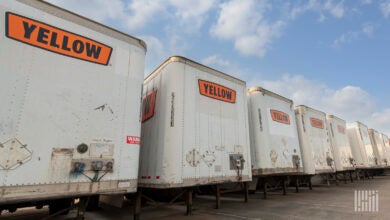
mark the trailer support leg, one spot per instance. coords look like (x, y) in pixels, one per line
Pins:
(297, 185)
(189, 201)
(217, 197)
(246, 192)
(284, 182)
(83, 203)
(336, 179)
(138, 203)
(310, 184)
(327, 179)
(350, 176)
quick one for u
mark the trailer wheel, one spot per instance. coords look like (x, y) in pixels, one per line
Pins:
(57, 205)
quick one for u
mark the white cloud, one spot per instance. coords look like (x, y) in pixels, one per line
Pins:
(98, 10)
(155, 55)
(350, 102)
(381, 121)
(301, 90)
(143, 12)
(366, 2)
(334, 8)
(321, 18)
(137, 14)
(367, 30)
(192, 13)
(343, 99)
(312, 5)
(385, 8)
(215, 60)
(243, 22)
(131, 16)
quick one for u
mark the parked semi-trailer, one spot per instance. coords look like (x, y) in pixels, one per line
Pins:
(343, 159)
(194, 127)
(386, 144)
(274, 138)
(70, 117)
(378, 146)
(361, 146)
(314, 139)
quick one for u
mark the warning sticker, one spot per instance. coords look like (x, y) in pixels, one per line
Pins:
(133, 140)
(56, 40)
(216, 91)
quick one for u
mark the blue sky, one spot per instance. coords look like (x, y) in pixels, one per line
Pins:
(332, 55)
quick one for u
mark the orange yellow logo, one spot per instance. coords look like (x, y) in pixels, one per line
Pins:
(56, 40)
(317, 123)
(341, 129)
(148, 104)
(280, 117)
(216, 91)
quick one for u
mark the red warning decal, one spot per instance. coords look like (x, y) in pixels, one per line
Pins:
(133, 140)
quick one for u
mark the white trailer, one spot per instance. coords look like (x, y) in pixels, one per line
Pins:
(342, 152)
(273, 134)
(361, 147)
(70, 94)
(378, 147)
(386, 142)
(195, 127)
(314, 140)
